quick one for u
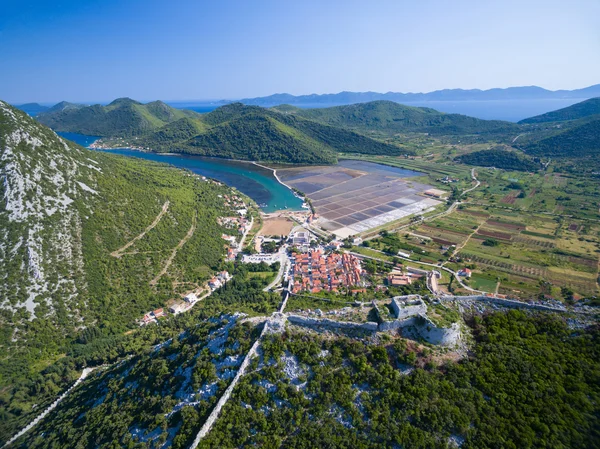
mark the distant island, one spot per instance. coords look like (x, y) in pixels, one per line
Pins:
(341, 98)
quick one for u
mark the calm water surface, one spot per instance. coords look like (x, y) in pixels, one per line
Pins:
(256, 182)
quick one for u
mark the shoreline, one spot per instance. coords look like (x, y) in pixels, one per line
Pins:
(274, 171)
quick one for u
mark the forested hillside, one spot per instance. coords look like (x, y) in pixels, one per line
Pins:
(577, 142)
(307, 390)
(236, 131)
(65, 211)
(579, 110)
(507, 160)
(389, 117)
(121, 118)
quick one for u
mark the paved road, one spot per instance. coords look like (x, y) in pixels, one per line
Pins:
(285, 263)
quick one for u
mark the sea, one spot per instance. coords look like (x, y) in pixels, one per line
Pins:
(509, 110)
(256, 182)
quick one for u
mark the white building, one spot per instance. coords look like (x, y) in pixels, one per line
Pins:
(191, 298)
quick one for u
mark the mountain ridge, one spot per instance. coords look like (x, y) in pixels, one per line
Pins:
(348, 97)
(580, 110)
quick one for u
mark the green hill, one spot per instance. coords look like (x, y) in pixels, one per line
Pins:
(507, 160)
(64, 213)
(121, 118)
(389, 117)
(576, 142)
(254, 133)
(586, 108)
(232, 131)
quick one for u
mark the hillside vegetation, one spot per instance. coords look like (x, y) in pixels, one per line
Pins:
(312, 391)
(579, 110)
(236, 131)
(121, 118)
(507, 160)
(65, 209)
(575, 143)
(390, 117)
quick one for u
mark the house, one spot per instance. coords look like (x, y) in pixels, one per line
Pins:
(224, 276)
(396, 280)
(159, 312)
(214, 283)
(191, 298)
(464, 272)
(148, 318)
(178, 308)
(357, 241)
(435, 193)
(301, 238)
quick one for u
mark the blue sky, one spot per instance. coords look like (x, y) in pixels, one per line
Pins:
(186, 50)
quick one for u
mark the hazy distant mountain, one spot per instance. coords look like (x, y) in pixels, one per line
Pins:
(32, 108)
(511, 93)
(580, 110)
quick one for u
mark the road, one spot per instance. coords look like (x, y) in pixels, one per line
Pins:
(246, 234)
(182, 242)
(466, 287)
(284, 264)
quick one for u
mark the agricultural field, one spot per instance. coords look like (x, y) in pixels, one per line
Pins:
(545, 193)
(523, 256)
(528, 235)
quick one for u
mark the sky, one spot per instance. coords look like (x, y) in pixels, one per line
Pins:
(175, 50)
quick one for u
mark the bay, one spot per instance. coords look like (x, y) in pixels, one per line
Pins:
(256, 182)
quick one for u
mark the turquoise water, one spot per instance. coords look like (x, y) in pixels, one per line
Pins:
(256, 182)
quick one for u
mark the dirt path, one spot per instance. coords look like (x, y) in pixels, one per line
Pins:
(463, 244)
(120, 251)
(174, 252)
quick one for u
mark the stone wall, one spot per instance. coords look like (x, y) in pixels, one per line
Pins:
(331, 324)
(511, 303)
